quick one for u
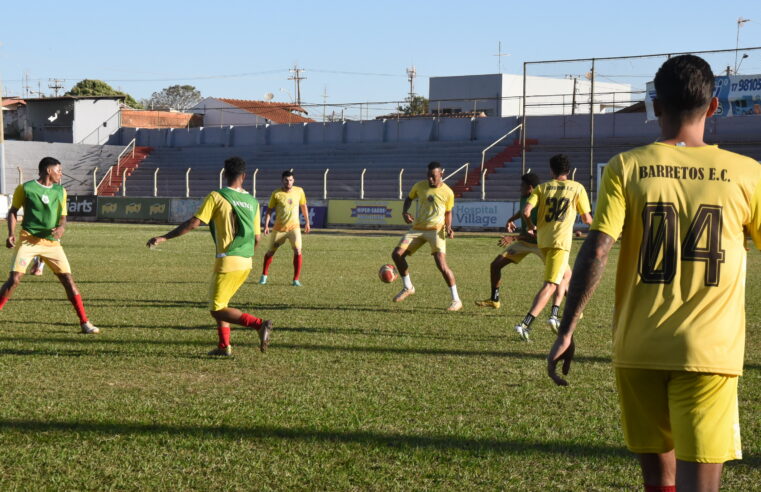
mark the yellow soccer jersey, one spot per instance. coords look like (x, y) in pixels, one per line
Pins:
(433, 203)
(557, 203)
(219, 211)
(680, 286)
(286, 207)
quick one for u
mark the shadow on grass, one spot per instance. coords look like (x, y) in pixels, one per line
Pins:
(366, 438)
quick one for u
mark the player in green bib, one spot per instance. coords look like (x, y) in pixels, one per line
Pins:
(44, 204)
(234, 221)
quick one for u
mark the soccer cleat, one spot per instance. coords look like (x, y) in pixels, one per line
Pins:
(263, 280)
(455, 306)
(264, 335)
(404, 294)
(523, 331)
(488, 303)
(89, 328)
(37, 266)
(296, 283)
(222, 351)
(554, 323)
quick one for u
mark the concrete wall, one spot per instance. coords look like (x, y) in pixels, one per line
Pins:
(461, 94)
(95, 120)
(58, 130)
(219, 113)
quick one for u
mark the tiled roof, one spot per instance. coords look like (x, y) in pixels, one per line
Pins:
(12, 101)
(280, 113)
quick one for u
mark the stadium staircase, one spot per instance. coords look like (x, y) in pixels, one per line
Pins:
(498, 161)
(129, 163)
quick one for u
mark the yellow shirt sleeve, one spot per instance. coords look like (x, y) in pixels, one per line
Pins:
(303, 198)
(18, 197)
(65, 204)
(273, 202)
(450, 202)
(533, 199)
(611, 203)
(206, 210)
(582, 202)
(258, 220)
(754, 226)
(413, 192)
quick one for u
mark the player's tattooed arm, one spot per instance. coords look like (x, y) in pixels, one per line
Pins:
(587, 273)
(12, 220)
(181, 229)
(406, 211)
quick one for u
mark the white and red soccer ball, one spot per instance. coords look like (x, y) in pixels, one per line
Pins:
(387, 273)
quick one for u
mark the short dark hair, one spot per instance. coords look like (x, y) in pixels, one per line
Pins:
(560, 164)
(530, 179)
(684, 86)
(234, 167)
(286, 174)
(45, 163)
(433, 165)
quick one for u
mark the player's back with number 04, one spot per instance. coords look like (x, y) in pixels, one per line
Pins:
(682, 217)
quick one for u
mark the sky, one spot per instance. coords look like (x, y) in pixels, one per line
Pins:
(353, 51)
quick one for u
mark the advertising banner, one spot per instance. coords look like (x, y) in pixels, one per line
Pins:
(739, 95)
(81, 205)
(317, 216)
(181, 209)
(126, 208)
(483, 214)
(365, 212)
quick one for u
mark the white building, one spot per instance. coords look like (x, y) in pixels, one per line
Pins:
(502, 95)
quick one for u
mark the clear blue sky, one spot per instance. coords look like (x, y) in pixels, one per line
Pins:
(243, 49)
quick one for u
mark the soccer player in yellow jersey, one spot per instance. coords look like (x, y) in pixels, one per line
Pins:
(557, 202)
(682, 209)
(286, 203)
(233, 218)
(44, 223)
(432, 225)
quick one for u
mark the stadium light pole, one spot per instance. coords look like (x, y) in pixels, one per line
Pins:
(740, 22)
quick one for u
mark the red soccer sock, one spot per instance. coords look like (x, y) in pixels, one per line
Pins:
(660, 488)
(296, 266)
(250, 321)
(267, 262)
(79, 308)
(224, 336)
(3, 300)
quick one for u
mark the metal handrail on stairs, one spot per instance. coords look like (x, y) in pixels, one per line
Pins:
(464, 166)
(483, 152)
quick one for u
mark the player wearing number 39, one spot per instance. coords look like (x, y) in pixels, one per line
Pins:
(557, 202)
(681, 208)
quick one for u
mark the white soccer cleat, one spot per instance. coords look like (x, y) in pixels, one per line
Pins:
(554, 323)
(404, 294)
(89, 328)
(455, 306)
(523, 331)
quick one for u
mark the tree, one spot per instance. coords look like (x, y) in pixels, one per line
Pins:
(175, 97)
(91, 87)
(416, 105)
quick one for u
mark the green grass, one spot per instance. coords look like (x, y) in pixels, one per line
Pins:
(355, 393)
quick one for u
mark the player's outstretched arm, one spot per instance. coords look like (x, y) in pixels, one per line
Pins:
(181, 229)
(587, 272)
(58, 231)
(408, 218)
(305, 213)
(12, 220)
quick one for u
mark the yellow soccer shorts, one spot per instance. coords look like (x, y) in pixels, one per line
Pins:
(555, 264)
(693, 413)
(518, 250)
(278, 238)
(51, 252)
(230, 272)
(413, 240)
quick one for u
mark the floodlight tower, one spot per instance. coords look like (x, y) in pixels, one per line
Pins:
(411, 74)
(740, 22)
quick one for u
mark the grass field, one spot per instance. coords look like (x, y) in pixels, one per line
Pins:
(355, 393)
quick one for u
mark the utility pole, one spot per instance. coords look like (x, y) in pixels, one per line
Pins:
(740, 22)
(324, 102)
(411, 74)
(56, 85)
(297, 78)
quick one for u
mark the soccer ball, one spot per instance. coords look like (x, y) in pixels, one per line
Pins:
(387, 273)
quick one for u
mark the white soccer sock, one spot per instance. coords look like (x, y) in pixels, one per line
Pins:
(406, 281)
(455, 297)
